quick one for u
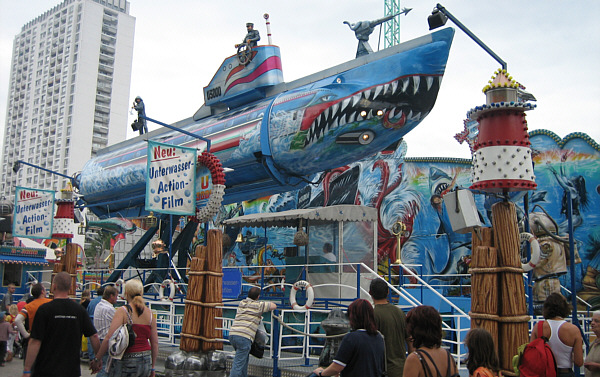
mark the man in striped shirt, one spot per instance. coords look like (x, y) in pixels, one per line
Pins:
(243, 330)
(103, 316)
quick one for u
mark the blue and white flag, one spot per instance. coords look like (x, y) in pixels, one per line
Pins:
(171, 179)
(34, 213)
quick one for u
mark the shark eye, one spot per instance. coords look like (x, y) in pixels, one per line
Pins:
(326, 98)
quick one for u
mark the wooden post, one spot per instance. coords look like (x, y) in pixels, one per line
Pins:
(513, 328)
(484, 296)
(200, 328)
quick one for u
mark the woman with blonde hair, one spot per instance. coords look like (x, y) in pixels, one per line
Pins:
(13, 312)
(140, 357)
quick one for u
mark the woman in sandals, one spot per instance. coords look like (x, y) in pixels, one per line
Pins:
(140, 357)
(429, 359)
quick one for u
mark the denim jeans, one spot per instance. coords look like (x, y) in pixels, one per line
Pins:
(102, 372)
(241, 346)
(131, 367)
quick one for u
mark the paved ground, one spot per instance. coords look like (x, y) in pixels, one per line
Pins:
(15, 368)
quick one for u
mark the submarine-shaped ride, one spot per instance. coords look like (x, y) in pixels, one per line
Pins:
(274, 136)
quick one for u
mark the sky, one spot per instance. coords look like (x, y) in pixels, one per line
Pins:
(551, 47)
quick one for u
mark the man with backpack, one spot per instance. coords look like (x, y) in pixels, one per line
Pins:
(563, 338)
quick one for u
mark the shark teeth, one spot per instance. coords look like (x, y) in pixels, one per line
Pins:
(429, 81)
(378, 90)
(394, 98)
(405, 83)
(416, 81)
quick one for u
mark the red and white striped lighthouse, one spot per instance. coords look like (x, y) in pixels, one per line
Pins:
(64, 219)
(502, 152)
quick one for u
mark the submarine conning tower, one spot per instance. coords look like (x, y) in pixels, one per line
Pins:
(502, 159)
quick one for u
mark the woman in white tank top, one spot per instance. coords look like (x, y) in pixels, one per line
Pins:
(564, 338)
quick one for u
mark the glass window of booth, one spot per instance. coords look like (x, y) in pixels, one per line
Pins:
(12, 274)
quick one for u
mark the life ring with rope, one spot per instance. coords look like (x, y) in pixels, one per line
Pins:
(210, 209)
(119, 285)
(161, 290)
(310, 295)
(31, 284)
(535, 251)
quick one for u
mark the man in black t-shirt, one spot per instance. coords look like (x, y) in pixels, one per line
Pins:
(55, 340)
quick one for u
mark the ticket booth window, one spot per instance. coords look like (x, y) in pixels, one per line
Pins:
(12, 274)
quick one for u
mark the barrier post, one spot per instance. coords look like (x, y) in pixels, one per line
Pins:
(275, 343)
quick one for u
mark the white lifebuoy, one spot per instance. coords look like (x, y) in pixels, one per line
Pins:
(161, 290)
(535, 251)
(310, 295)
(119, 285)
(32, 283)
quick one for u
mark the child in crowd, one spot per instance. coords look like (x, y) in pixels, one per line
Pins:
(482, 360)
(13, 311)
(5, 331)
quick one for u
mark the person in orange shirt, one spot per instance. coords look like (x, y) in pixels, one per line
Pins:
(39, 294)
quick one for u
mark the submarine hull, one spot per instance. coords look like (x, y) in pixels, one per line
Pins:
(278, 143)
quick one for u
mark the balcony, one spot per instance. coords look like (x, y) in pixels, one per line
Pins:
(107, 49)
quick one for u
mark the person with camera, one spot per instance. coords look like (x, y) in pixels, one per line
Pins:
(138, 105)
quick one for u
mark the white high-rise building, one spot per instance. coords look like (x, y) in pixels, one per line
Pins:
(68, 91)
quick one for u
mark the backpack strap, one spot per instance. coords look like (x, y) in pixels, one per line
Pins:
(540, 331)
(129, 310)
(432, 362)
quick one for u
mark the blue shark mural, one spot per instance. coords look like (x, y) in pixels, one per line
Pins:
(411, 190)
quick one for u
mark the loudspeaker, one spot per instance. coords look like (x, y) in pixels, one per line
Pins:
(462, 211)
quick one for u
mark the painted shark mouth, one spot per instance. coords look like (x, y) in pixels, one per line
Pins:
(408, 98)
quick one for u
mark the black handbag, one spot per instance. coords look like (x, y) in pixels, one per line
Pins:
(260, 342)
(129, 324)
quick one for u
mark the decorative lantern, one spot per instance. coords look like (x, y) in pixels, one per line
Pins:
(65, 214)
(502, 154)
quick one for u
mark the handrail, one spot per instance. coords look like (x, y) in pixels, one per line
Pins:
(426, 285)
(589, 306)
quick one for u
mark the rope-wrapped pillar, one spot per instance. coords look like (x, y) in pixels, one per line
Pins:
(484, 297)
(213, 290)
(513, 327)
(193, 312)
(201, 323)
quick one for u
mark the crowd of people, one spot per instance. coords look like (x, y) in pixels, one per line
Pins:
(383, 340)
(382, 334)
(52, 331)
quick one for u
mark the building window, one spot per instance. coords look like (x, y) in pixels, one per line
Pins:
(12, 274)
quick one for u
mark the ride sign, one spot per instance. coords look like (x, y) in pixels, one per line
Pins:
(34, 211)
(171, 179)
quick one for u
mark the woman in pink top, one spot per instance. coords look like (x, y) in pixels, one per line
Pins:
(140, 357)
